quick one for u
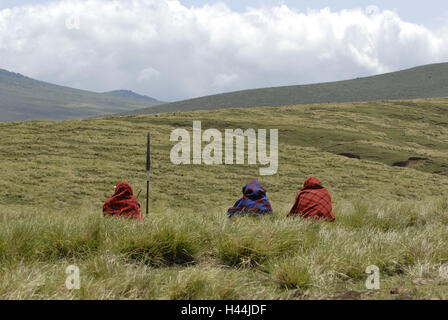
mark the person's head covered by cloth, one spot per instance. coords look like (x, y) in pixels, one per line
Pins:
(254, 201)
(123, 203)
(313, 201)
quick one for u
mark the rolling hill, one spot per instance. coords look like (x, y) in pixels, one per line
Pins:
(23, 98)
(393, 217)
(429, 81)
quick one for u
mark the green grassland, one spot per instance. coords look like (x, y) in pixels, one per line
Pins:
(56, 175)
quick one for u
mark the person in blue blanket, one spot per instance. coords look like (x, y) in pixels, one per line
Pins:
(254, 202)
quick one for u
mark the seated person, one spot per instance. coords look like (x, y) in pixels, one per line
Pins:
(254, 201)
(313, 201)
(123, 203)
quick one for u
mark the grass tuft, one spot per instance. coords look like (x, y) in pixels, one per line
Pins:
(292, 274)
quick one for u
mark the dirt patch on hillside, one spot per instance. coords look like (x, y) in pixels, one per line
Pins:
(349, 155)
(180, 125)
(411, 162)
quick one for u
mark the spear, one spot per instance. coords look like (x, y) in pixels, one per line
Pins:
(148, 166)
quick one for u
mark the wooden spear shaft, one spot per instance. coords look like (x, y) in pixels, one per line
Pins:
(148, 166)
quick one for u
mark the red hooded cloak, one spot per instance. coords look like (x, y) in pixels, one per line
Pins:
(313, 201)
(123, 203)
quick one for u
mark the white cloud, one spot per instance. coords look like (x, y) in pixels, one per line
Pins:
(223, 80)
(148, 74)
(168, 51)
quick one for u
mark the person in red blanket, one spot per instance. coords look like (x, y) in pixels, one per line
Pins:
(313, 201)
(123, 203)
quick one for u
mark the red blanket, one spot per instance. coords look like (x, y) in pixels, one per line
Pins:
(123, 203)
(313, 201)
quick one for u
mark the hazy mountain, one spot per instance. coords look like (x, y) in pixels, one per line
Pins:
(23, 98)
(429, 81)
(131, 94)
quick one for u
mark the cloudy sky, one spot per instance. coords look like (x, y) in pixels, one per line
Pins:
(174, 50)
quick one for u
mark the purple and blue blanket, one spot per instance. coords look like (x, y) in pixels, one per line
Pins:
(254, 201)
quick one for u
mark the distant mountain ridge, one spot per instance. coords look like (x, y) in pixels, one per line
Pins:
(23, 98)
(11, 74)
(428, 81)
(130, 94)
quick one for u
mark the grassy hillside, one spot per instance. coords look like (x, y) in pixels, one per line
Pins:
(57, 175)
(429, 81)
(23, 98)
